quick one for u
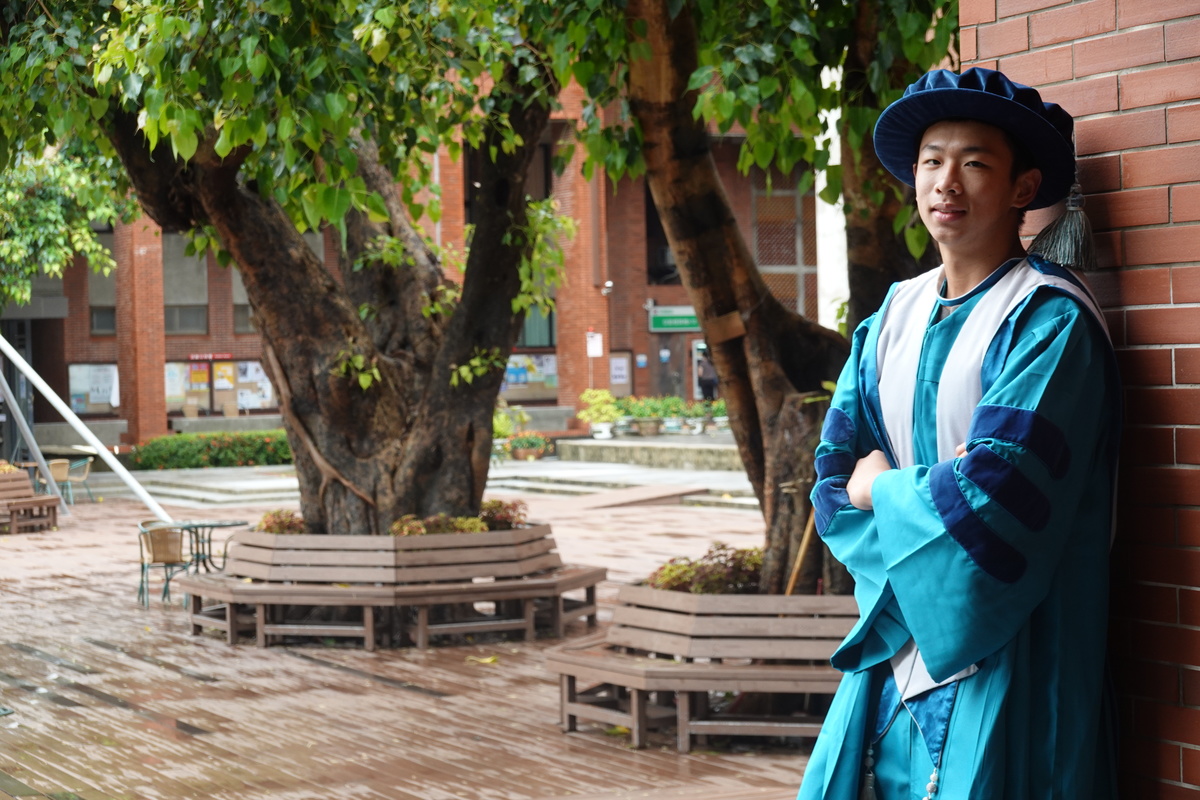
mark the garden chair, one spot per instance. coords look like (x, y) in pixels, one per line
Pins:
(161, 545)
(59, 469)
(78, 473)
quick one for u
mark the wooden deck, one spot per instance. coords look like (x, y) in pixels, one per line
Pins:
(113, 702)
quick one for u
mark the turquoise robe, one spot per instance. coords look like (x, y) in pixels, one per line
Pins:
(998, 558)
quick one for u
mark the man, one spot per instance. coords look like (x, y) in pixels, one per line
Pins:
(706, 374)
(965, 478)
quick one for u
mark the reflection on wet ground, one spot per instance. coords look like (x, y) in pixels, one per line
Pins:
(114, 702)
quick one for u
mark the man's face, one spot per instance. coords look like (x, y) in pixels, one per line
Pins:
(966, 193)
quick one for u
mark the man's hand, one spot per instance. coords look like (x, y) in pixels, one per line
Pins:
(863, 477)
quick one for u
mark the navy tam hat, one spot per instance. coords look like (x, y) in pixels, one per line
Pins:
(986, 96)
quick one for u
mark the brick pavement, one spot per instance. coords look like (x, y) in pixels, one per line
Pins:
(113, 701)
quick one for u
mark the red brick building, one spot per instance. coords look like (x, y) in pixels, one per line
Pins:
(169, 336)
(1129, 71)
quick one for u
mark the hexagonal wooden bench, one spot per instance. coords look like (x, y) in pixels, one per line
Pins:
(665, 652)
(512, 570)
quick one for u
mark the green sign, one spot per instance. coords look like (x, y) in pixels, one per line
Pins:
(673, 319)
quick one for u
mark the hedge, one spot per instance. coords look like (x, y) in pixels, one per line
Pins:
(189, 450)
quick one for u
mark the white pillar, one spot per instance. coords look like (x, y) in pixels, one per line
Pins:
(833, 284)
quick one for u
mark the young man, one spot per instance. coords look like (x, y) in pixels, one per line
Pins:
(965, 477)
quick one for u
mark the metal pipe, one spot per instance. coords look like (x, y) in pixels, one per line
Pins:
(62, 408)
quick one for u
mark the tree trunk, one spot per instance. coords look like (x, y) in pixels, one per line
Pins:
(877, 256)
(410, 442)
(767, 357)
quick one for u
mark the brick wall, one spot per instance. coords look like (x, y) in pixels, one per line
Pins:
(1129, 71)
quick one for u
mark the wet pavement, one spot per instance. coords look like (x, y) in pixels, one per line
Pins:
(112, 701)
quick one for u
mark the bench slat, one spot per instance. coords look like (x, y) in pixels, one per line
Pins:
(309, 541)
(724, 604)
(689, 647)
(797, 627)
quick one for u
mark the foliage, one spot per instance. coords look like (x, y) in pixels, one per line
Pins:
(718, 408)
(411, 525)
(644, 407)
(502, 424)
(599, 406)
(771, 68)
(542, 265)
(722, 570)
(48, 204)
(529, 440)
(190, 450)
(501, 515)
(697, 409)
(672, 406)
(281, 520)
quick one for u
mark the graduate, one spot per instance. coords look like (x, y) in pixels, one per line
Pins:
(965, 477)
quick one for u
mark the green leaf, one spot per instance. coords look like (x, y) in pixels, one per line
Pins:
(184, 143)
(917, 239)
(336, 104)
(376, 208)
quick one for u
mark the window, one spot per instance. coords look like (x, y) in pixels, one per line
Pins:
(660, 261)
(104, 320)
(186, 319)
(785, 239)
(185, 287)
(538, 330)
(243, 320)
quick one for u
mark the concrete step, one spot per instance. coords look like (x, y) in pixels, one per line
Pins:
(590, 484)
(747, 503)
(518, 485)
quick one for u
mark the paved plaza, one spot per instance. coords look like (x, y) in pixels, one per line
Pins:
(111, 700)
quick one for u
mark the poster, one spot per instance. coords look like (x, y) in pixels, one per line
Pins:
(198, 375)
(618, 369)
(102, 385)
(175, 382)
(223, 375)
(253, 387)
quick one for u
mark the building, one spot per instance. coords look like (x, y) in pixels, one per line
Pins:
(166, 342)
(1129, 71)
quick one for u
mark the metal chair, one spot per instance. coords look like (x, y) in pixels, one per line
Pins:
(78, 473)
(161, 545)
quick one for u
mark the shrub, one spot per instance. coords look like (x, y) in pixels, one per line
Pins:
(190, 450)
(600, 406)
(410, 525)
(529, 440)
(501, 516)
(281, 520)
(672, 406)
(722, 570)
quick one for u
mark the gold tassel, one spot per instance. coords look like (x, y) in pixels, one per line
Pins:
(1068, 240)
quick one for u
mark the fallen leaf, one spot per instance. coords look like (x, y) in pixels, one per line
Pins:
(483, 659)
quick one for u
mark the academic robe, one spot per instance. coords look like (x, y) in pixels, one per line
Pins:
(998, 558)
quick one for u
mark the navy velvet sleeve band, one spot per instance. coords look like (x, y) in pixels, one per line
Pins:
(984, 546)
(1027, 428)
(1005, 484)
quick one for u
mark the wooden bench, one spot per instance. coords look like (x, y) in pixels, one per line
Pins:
(25, 510)
(666, 651)
(512, 570)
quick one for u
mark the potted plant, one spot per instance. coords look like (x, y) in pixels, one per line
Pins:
(600, 411)
(647, 415)
(720, 415)
(528, 445)
(721, 570)
(673, 410)
(695, 414)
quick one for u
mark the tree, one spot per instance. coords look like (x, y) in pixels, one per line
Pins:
(245, 124)
(688, 64)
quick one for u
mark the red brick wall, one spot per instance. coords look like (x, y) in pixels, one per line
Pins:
(1128, 71)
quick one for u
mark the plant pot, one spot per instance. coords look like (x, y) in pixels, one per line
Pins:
(648, 426)
(672, 425)
(602, 430)
(526, 453)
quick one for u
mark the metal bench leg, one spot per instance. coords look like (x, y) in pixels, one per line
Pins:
(637, 718)
(567, 695)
